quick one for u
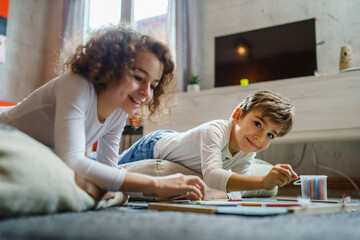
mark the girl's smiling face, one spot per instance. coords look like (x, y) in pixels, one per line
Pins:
(253, 132)
(134, 91)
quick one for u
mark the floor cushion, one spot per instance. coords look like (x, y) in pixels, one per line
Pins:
(33, 180)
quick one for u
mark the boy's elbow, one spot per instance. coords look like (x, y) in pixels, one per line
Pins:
(207, 180)
(213, 182)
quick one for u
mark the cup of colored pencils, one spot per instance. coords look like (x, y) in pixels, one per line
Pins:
(313, 186)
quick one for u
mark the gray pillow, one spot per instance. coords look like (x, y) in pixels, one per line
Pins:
(33, 180)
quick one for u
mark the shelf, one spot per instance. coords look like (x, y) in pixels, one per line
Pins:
(327, 107)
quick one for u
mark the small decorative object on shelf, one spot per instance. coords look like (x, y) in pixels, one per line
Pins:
(193, 84)
(244, 82)
(347, 58)
(135, 120)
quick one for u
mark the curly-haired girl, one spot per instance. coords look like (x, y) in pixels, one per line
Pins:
(118, 72)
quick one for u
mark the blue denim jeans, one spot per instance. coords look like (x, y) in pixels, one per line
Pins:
(142, 149)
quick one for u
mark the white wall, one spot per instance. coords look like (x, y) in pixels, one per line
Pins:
(33, 38)
(22, 71)
(337, 24)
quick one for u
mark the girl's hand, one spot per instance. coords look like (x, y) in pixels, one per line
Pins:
(180, 186)
(279, 175)
(91, 188)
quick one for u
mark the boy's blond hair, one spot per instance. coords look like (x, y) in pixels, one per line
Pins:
(278, 108)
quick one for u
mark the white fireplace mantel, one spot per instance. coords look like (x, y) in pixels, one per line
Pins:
(327, 107)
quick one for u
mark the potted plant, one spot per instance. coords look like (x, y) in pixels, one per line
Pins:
(193, 83)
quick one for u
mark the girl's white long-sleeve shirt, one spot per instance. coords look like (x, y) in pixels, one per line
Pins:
(62, 115)
(205, 149)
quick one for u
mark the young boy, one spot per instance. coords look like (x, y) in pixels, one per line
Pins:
(223, 150)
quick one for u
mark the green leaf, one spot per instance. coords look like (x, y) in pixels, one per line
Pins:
(193, 80)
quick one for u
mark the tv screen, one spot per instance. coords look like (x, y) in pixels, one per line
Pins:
(284, 51)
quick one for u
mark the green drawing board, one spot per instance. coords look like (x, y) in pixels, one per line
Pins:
(252, 211)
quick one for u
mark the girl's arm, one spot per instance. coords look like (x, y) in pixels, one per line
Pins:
(168, 187)
(73, 100)
(176, 185)
(109, 144)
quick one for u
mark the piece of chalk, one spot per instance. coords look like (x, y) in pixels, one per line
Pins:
(235, 199)
(277, 204)
(251, 204)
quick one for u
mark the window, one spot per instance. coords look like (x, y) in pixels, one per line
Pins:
(101, 14)
(148, 16)
(151, 15)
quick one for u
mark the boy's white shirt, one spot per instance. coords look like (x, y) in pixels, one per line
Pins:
(62, 114)
(205, 149)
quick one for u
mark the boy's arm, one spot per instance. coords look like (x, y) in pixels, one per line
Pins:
(279, 175)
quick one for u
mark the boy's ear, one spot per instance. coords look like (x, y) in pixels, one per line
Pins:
(237, 114)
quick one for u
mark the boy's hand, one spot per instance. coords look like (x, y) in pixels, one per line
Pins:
(279, 175)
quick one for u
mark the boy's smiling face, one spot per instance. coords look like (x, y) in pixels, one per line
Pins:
(252, 133)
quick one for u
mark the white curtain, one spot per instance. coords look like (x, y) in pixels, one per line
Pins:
(73, 23)
(184, 39)
(182, 29)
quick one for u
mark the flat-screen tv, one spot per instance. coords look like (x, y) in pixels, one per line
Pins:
(278, 52)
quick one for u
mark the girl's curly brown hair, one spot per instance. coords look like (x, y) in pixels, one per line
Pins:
(109, 56)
